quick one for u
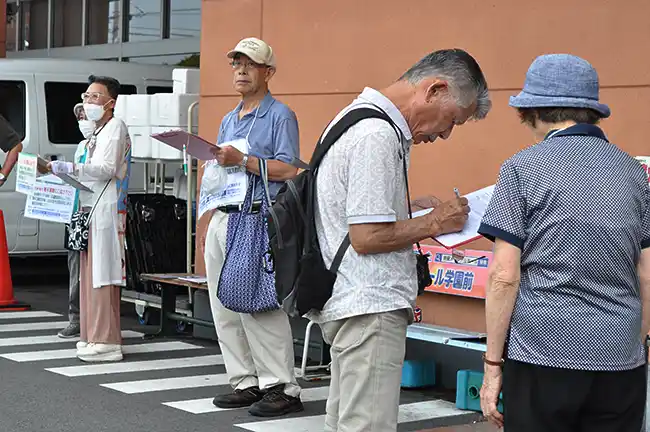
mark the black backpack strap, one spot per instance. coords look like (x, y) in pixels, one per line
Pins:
(326, 141)
(348, 120)
(345, 244)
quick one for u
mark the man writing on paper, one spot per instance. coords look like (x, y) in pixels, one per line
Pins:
(257, 349)
(568, 291)
(361, 189)
(11, 144)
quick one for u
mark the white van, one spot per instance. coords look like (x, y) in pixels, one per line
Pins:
(37, 97)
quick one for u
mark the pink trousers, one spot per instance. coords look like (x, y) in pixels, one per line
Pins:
(99, 307)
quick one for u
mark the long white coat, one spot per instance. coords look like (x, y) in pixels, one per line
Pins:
(106, 162)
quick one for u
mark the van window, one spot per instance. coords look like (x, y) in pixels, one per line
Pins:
(60, 99)
(159, 89)
(128, 89)
(12, 108)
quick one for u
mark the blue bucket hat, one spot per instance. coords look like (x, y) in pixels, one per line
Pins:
(560, 80)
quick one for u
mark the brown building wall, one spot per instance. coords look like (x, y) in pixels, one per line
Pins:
(3, 27)
(328, 51)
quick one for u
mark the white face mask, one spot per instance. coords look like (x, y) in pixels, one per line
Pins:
(87, 127)
(94, 112)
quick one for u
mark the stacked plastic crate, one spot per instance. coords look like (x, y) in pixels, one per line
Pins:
(156, 223)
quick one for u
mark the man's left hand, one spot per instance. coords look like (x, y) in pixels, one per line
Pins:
(228, 156)
(492, 382)
(423, 203)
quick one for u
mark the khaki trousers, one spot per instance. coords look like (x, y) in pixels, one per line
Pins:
(367, 357)
(257, 348)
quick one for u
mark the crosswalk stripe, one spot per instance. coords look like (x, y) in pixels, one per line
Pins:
(202, 406)
(407, 413)
(32, 356)
(412, 412)
(163, 384)
(5, 328)
(38, 340)
(28, 314)
(138, 366)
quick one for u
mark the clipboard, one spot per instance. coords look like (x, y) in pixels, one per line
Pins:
(478, 202)
(194, 145)
(65, 177)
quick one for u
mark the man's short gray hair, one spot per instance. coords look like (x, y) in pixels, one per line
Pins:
(461, 71)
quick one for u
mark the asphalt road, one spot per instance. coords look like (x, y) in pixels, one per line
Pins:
(162, 385)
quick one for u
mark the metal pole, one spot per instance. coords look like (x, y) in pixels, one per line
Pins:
(84, 22)
(190, 191)
(50, 30)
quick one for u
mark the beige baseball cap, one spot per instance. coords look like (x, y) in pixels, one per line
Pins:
(257, 50)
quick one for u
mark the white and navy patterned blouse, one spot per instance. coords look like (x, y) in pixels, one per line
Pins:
(579, 209)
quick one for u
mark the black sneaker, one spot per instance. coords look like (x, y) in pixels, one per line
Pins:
(238, 398)
(71, 331)
(276, 403)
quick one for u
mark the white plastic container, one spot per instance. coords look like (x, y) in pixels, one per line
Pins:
(162, 150)
(120, 107)
(169, 109)
(138, 110)
(141, 142)
(186, 81)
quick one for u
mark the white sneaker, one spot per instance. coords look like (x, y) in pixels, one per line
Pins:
(101, 353)
(83, 347)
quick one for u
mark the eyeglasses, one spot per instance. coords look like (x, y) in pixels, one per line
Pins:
(236, 64)
(92, 97)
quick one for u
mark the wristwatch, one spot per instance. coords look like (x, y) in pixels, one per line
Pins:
(2, 178)
(244, 161)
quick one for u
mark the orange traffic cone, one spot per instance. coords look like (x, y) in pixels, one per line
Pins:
(7, 301)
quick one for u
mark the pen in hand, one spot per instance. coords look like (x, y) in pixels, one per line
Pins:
(457, 193)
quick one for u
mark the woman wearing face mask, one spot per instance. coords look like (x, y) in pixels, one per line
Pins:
(105, 169)
(87, 127)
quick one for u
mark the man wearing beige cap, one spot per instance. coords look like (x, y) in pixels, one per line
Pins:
(257, 347)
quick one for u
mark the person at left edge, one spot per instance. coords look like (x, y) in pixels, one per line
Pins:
(257, 348)
(11, 144)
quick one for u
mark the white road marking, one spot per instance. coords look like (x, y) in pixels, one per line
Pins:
(201, 406)
(31, 356)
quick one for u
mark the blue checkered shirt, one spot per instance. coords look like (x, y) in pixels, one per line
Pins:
(578, 207)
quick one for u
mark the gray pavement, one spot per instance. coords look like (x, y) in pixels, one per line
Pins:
(163, 388)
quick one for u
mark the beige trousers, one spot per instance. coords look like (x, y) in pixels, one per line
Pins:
(257, 349)
(367, 357)
(99, 307)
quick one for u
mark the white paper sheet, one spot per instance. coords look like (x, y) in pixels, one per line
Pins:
(50, 200)
(68, 179)
(26, 173)
(478, 202)
(194, 279)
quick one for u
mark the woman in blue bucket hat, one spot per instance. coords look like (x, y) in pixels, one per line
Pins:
(570, 218)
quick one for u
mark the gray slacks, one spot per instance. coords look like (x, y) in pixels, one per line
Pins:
(73, 302)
